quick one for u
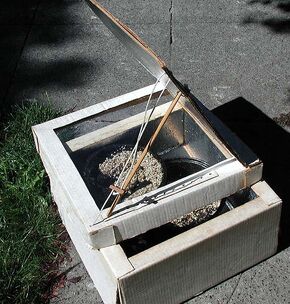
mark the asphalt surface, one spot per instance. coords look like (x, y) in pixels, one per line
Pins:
(233, 55)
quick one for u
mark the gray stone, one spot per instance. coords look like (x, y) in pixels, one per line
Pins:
(218, 294)
(64, 12)
(225, 11)
(266, 283)
(80, 65)
(78, 285)
(221, 61)
(140, 11)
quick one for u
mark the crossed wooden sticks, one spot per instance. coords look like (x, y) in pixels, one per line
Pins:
(122, 191)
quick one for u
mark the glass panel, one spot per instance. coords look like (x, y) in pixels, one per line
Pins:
(104, 142)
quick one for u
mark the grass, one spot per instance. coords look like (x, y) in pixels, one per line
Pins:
(28, 227)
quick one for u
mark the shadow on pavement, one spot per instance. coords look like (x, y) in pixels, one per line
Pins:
(279, 25)
(28, 25)
(271, 143)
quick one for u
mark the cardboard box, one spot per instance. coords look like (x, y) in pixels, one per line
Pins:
(225, 174)
(183, 265)
(233, 165)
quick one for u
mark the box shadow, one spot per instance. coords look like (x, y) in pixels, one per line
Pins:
(272, 145)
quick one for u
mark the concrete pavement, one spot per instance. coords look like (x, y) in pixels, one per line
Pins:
(58, 52)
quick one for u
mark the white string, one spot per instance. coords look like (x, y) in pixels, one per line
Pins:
(141, 131)
(134, 149)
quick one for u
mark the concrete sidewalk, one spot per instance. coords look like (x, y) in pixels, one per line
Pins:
(58, 52)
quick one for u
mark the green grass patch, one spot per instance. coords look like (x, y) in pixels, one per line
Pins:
(28, 227)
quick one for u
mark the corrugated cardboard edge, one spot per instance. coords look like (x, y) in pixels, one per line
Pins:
(136, 220)
(204, 256)
(98, 268)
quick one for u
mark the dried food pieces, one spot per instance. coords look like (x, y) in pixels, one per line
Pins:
(148, 177)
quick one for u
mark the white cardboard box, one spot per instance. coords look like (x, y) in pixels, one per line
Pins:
(187, 264)
(238, 167)
(180, 267)
(224, 177)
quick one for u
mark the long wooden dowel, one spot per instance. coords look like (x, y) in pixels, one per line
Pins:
(146, 149)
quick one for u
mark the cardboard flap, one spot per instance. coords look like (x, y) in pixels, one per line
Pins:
(156, 67)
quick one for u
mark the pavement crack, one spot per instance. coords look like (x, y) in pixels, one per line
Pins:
(234, 290)
(170, 29)
(28, 32)
(171, 22)
(65, 272)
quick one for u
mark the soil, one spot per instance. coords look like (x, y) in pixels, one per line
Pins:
(197, 216)
(148, 177)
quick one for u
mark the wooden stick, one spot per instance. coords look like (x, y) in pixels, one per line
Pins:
(146, 149)
(117, 189)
